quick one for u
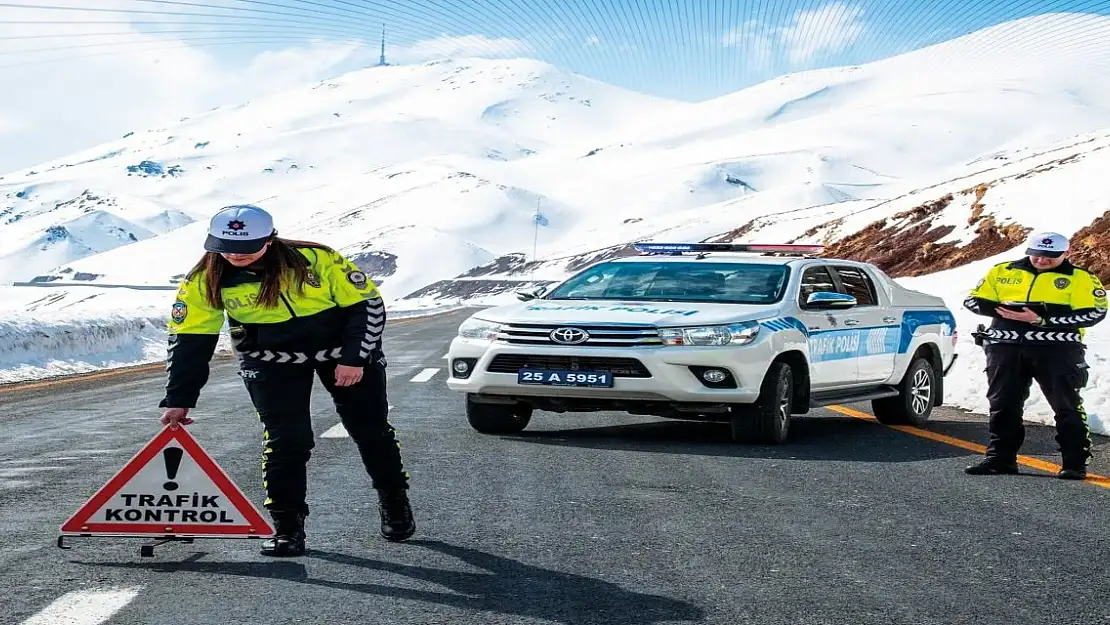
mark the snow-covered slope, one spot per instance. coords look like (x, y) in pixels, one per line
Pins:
(987, 209)
(398, 147)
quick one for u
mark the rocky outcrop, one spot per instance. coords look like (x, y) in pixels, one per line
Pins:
(906, 244)
(469, 289)
(618, 251)
(734, 234)
(376, 263)
(1090, 247)
(508, 264)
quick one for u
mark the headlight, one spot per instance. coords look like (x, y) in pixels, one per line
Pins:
(732, 334)
(475, 328)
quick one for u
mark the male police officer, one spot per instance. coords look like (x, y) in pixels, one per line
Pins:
(1040, 307)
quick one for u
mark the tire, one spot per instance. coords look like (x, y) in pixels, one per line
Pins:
(767, 421)
(497, 418)
(914, 403)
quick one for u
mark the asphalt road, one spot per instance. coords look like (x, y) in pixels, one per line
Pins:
(582, 519)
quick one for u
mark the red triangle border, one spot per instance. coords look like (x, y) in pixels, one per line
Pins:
(256, 525)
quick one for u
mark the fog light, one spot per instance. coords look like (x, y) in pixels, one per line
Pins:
(714, 376)
(461, 366)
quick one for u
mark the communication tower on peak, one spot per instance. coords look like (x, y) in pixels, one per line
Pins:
(381, 59)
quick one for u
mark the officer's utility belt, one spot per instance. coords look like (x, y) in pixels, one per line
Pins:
(294, 358)
(1027, 336)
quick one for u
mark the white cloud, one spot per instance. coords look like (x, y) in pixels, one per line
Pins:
(122, 79)
(8, 124)
(458, 46)
(830, 28)
(592, 41)
(114, 78)
(753, 41)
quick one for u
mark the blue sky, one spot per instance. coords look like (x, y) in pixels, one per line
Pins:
(208, 53)
(684, 49)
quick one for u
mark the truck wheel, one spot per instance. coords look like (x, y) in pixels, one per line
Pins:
(497, 418)
(768, 419)
(914, 403)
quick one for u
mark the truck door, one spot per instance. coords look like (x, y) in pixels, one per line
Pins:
(833, 344)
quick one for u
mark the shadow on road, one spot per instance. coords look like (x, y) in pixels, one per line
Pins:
(506, 586)
(811, 438)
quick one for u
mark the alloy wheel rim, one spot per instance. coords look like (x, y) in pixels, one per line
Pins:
(921, 391)
(784, 403)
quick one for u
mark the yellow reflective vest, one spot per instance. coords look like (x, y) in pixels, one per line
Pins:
(1069, 299)
(339, 316)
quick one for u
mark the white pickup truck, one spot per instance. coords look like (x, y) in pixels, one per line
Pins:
(749, 334)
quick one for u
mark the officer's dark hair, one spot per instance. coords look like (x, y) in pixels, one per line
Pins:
(280, 258)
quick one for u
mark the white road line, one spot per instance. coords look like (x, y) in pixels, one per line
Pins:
(84, 607)
(425, 375)
(338, 431)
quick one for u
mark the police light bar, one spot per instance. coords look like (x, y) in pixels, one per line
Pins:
(757, 248)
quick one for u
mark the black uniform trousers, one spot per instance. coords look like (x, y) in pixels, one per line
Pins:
(1061, 371)
(281, 393)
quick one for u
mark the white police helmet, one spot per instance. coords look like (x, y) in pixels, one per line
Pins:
(239, 229)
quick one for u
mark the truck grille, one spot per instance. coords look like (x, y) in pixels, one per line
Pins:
(599, 335)
(620, 367)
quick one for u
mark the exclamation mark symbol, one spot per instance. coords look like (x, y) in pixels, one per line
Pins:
(172, 456)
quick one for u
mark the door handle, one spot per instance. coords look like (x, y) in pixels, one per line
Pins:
(851, 322)
(890, 319)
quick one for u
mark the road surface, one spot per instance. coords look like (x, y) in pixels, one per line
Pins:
(604, 518)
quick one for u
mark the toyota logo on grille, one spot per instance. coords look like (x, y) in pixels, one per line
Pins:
(569, 336)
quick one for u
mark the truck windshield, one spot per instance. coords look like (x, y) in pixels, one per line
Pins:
(669, 281)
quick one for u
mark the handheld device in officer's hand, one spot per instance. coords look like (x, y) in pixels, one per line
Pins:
(1021, 306)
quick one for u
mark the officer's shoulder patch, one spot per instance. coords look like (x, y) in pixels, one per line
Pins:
(1098, 293)
(313, 279)
(982, 281)
(357, 278)
(179, 311)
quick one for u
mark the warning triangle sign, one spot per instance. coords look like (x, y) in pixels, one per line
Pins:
(171, 487)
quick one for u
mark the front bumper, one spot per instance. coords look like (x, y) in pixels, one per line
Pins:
(643, 373)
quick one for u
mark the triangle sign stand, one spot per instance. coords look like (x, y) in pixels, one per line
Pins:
(171, 489)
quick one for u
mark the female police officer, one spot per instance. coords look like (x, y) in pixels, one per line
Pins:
(294, 309)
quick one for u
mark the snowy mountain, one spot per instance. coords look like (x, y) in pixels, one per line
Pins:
(437, 171)
(986, 211)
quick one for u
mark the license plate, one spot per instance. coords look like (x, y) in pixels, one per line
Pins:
(555, 377)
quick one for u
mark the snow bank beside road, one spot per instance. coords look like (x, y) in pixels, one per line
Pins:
(49, 343)
(965, 386)
(34, 348)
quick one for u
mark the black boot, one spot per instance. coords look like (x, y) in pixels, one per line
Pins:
(1072, 474)
(396, 513)
(992, 466)
(289, 536)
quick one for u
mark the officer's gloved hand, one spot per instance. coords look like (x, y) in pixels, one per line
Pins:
(176, 416)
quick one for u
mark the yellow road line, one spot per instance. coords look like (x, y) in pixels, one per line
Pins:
(1034, 463)
(112, 373)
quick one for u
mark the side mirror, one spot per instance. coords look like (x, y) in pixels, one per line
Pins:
(828, 299)
(530, 294)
